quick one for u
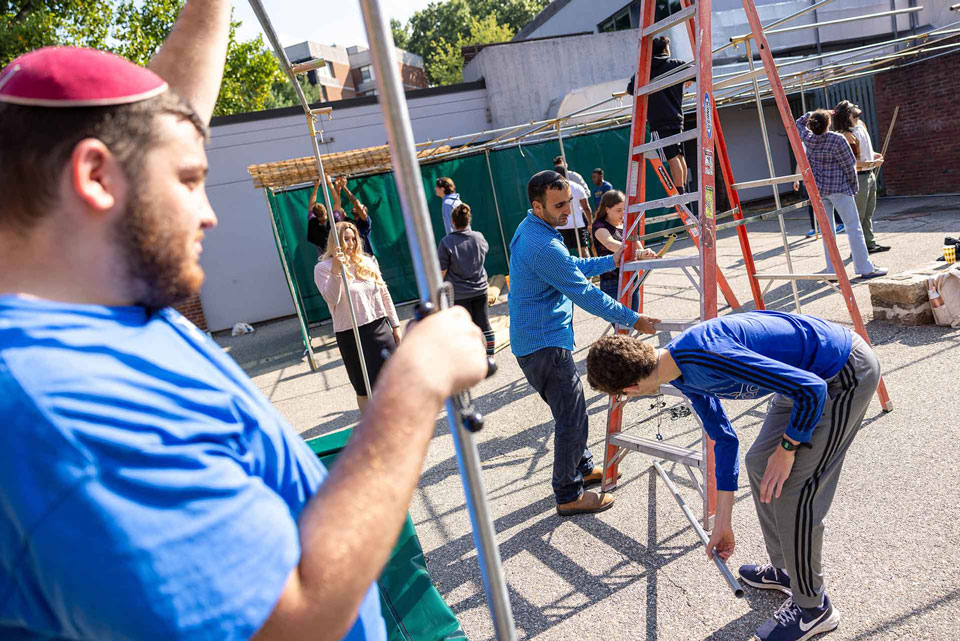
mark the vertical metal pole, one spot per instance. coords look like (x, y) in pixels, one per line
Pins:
(297, 303)
(803, 106)
(776, 188)
(496, 206)
(345, 282)
(271, 34)
(576, 231)
(426, 265)
(893, 20)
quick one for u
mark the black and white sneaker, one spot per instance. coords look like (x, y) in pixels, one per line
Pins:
(765, 577)
(793, 623)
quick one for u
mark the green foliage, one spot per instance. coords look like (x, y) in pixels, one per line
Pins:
(401, 37)
(436, 31)
(446, 64)
(134, 29)
(282, 93)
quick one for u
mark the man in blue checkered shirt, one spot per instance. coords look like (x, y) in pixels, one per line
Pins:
(835, 172)
(545, 281)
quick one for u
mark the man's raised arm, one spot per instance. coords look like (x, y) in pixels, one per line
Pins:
(192, 57)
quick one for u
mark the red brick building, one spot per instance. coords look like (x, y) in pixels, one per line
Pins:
(349, 70)
(924, 152)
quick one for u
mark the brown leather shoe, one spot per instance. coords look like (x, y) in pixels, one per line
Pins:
(588, 503)
(596, 477)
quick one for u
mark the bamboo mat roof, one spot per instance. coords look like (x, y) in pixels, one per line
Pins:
(297, 171)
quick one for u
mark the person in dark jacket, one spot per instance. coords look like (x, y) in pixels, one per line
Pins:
(664, 113)
(462, 253)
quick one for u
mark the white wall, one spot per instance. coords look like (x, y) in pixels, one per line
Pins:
(245, 281)
(741, 130)
(523, 78)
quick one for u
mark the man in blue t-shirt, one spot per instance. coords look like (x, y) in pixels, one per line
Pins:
(822, 378)
(600, 187)
(149, 489)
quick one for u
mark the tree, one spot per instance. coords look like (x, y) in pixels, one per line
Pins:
(401, 37)
(434, 32)
(446, 63)
(282, 93)
(135, 29)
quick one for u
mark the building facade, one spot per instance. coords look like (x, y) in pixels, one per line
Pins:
(348, 72)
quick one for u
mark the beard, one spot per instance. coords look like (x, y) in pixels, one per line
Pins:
(158, 259)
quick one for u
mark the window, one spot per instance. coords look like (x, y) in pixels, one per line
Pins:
(327, 71)
(366, 73)
(617, 22)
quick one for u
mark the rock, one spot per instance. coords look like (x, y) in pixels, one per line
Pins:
(902, 298)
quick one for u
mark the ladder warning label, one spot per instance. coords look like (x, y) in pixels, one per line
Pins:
(708, 201)
(707, 115)
(634, 177)
(708, 162)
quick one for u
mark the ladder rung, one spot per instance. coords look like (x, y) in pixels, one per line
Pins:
(665, 142)
(669, 201)
(658, 449)
(765, 182)
(309, 65)
(661, 263)
(675, 325)
(669, 80)
(669, 21)
(749, 75)
(797, 277)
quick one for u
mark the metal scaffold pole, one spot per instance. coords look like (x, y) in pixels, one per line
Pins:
(429, 282)
(267, 26)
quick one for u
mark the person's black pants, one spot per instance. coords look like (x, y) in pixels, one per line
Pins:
(477, 306)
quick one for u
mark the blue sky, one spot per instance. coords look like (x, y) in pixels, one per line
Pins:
(299, 20)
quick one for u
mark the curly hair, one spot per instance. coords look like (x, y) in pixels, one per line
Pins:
(819, 122)
(364, 267)
(619, 361)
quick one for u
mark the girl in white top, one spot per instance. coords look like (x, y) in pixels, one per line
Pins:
(377, 320)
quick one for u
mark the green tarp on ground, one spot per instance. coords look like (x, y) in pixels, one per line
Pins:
(511, 168)
(411, 606)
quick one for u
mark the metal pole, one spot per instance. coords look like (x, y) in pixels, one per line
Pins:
(297, 304)
(345, 282)
(426, 265)
(803, 106)
(267, 26)
(563, 154)
(496, 206)
(724, 570)
(776, 189)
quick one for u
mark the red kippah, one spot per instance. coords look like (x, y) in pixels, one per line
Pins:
(75, 77)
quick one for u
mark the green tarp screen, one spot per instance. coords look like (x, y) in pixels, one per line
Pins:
(411, 606)
(511, 168)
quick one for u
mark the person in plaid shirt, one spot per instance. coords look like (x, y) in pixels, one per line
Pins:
(835, 172)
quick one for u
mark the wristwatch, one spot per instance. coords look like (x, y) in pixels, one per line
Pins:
(787, 445)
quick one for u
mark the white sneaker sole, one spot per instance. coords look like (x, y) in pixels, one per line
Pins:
(767, 586)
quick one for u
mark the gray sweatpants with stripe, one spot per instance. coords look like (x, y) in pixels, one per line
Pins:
(792, 525)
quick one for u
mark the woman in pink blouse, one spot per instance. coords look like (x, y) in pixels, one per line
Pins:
(376, 316)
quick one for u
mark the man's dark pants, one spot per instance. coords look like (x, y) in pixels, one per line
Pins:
(552, 372)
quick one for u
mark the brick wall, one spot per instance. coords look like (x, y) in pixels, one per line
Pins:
(413, 76)
(193, 311)
(924, 152)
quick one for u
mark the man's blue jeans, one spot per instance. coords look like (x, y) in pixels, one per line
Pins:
(552, 372)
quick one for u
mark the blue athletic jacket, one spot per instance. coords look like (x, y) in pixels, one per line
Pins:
(744, 356)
